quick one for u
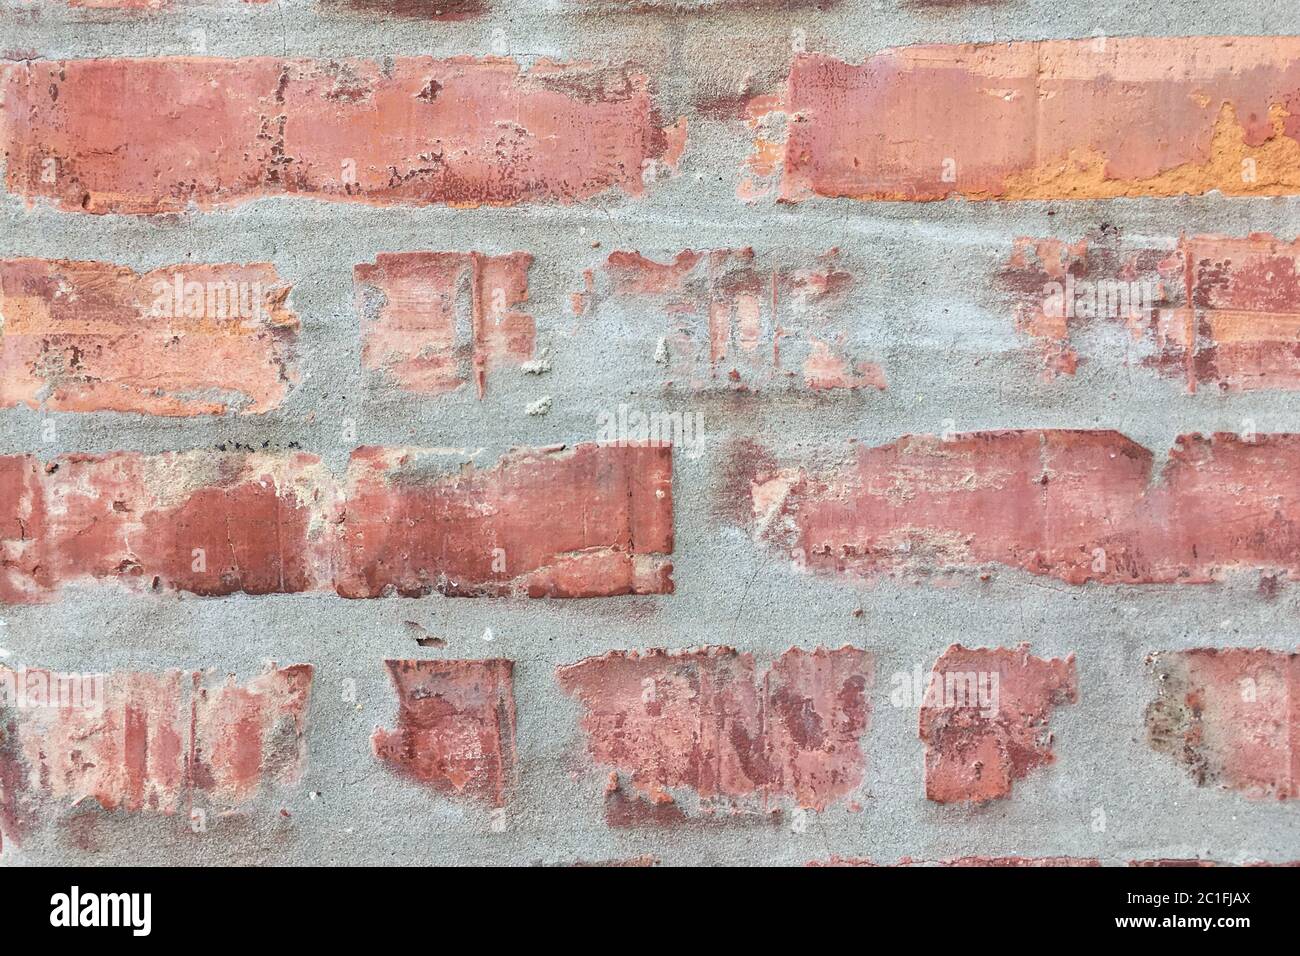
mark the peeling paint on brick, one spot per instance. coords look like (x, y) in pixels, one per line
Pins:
(974, 752)
(149, 742)
(708, 721)
(455, 727)
(1208, 310)
(731, 322)
(432, 321)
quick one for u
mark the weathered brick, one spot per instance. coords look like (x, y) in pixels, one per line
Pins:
(205, 522)
(160, 135)
(984, 724)
(455, 726)
(145, 741)
(412, 528)
(1230, 716)
(1048, 119)
(432, 321)
(707, 721)
(1209, 310)
(407, 522)
(182, 340)
(733, 322)
(1245, 324)
(1075, 505)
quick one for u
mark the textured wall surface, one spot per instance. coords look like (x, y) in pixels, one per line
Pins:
(594, 431)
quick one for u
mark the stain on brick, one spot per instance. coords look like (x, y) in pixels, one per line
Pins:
(1050, 119)
(183, 340)
(1209, 310)
(455, 728)
(1075, 505)
(1230, 716)
(433, 321)
(162, 135)
(732, 322)
(986, 724)
(707, 721)
(744, 462)
(140, 741)
(593, 520)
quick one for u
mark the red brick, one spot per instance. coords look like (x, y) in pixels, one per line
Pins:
(432, 321)
(260, 520)
(22, 529)
(149, 741)
(1050, 119)
(1220, 311)
(1245, 324)
(733, 322)
(706, 720)
(183, 340)
(977, 746)
(278, 523)
(589, 521)
(1075, 505)
(455, 726)
(160, 135)
(1231, 717)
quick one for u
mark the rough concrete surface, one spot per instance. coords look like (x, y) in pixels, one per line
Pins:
(925, 305)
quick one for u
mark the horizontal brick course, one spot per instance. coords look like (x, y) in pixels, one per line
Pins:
(1043, 119)
(272, 523)
(159, 135)
(1074, 505)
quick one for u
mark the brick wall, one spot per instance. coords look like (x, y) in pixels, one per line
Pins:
(603, 432)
